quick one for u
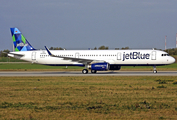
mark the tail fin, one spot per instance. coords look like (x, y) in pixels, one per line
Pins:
(20, 42)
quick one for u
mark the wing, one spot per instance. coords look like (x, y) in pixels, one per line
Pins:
(79, 60)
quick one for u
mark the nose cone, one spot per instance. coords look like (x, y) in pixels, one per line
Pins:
(172, 60)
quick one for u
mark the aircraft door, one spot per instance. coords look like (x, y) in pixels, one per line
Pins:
(33, 56)
(119, 56)
(77, 55)
(153, 57)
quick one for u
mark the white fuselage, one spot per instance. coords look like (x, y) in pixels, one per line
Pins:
(118, 57)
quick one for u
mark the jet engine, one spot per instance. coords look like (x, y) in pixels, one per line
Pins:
(99, 66)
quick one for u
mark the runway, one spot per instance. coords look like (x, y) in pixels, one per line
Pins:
(78, 73)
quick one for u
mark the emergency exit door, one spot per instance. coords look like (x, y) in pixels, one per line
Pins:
(77, 55)
(33, 56)
(119, 56)
(153, 55)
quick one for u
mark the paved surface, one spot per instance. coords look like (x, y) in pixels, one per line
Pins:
(78, 73)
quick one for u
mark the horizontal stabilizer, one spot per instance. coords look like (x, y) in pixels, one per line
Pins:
(15, 55)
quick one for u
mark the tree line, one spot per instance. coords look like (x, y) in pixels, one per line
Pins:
(95, 48)
(4, 53)
(172, 51)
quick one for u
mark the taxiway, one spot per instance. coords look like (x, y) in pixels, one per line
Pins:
(78, 73)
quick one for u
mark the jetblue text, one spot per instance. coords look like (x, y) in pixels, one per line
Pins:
(135, 55)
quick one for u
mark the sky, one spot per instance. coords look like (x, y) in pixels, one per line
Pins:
(83, 24)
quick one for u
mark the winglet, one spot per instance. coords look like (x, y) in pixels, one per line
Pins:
(48, 51)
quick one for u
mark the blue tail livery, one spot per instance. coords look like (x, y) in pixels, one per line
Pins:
(20, 42)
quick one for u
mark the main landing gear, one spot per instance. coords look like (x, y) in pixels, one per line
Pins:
(154, 70)
(85, 71)
(93, 71)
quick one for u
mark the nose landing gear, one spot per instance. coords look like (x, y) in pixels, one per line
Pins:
(154, 70)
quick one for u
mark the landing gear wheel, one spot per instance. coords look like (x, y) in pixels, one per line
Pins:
(84, 71)
(154, 69)
(93, 71)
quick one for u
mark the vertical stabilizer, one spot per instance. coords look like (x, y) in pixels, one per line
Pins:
(19, 41)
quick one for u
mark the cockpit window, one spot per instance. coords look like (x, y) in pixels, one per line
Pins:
(165, 54)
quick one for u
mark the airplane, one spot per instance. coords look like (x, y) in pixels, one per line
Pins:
(94, 60)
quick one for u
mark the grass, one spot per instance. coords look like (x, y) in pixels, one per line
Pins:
(88, 98)
(38, 67)
(34, 67)
(10, 59)
(172, 67)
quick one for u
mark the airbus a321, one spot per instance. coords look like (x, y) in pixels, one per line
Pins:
(95, 60)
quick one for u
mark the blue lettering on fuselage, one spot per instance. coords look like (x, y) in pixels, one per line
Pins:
(135, 55)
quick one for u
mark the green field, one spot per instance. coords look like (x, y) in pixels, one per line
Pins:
(10, 59)
(34, 98)
(37, 67)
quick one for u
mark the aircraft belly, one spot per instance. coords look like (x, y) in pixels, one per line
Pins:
(138, 62)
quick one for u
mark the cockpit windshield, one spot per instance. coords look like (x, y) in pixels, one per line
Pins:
(165, 54)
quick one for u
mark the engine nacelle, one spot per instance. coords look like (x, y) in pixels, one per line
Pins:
(99, 66)
(114, 67)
